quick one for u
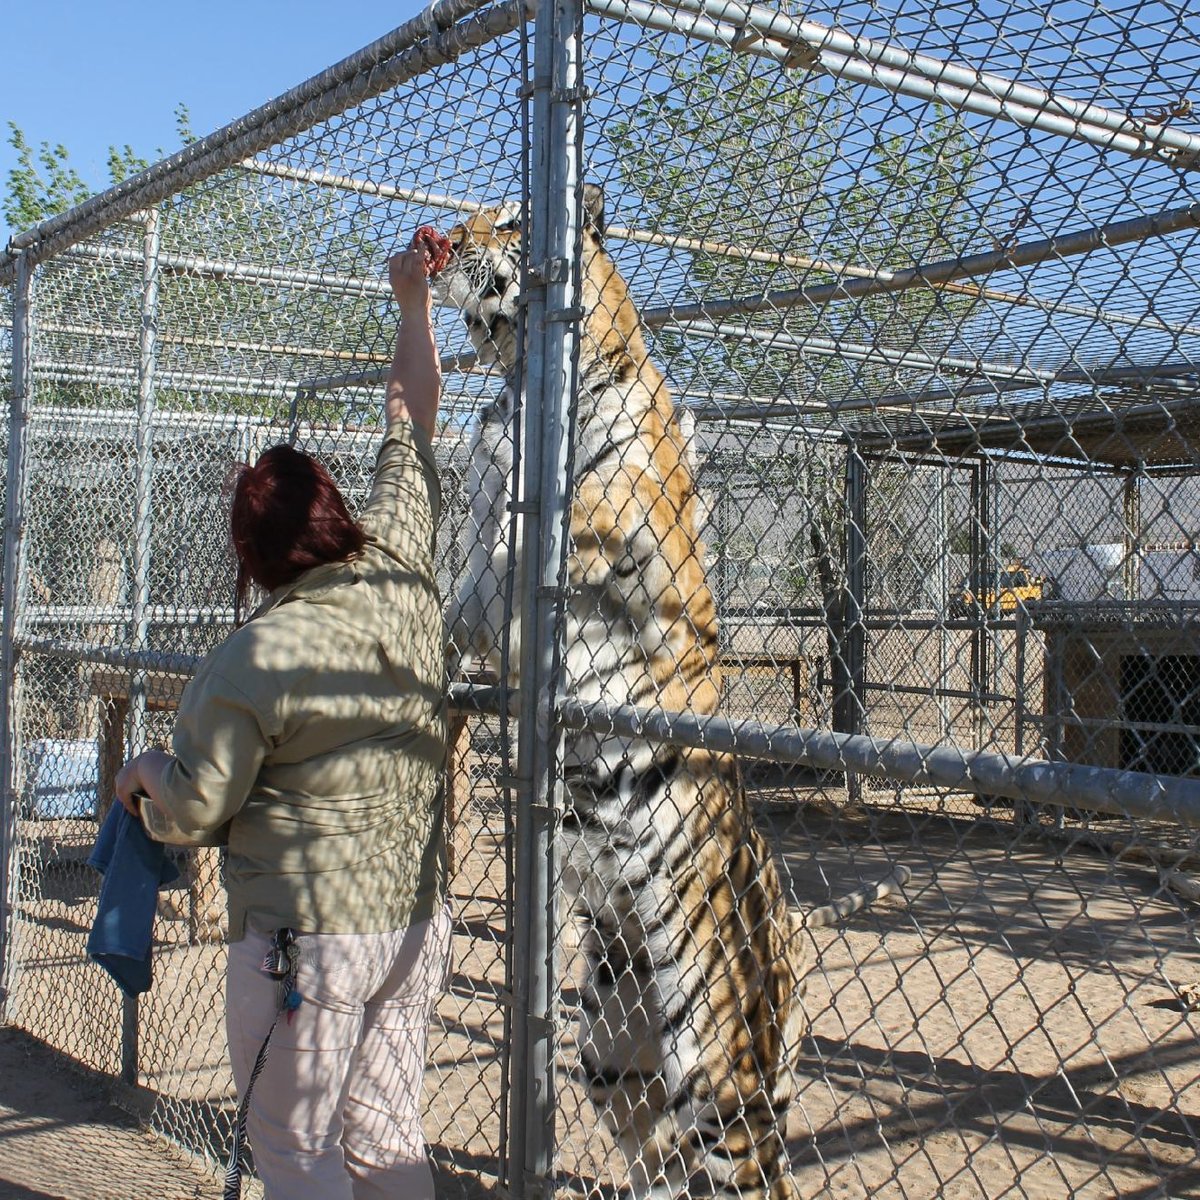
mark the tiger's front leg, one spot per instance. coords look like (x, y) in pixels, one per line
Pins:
(475, 620)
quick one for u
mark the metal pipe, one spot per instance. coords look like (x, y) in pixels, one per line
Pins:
(1166, 375)
(14, 528)
(1072, 785)
(825, 347)
(121, 614)
(460, 364)
(229, 270)
(143, 510)
(850, 709)
(430, 39)
(552, 292)
(72, 419)
(1136, 144)
(176, 339)
(1084, 241)
(1133, 793)
(671, 241)
(181, 381)
(972, 290)
(364, 187)
(113, 656)
(822, 37)
(1132, 534)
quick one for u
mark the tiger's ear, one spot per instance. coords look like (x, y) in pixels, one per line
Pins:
(593, 209)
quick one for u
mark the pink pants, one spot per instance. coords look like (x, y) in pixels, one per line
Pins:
(335, 1114)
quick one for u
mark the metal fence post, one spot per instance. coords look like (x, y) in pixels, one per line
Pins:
(1131, 567)
(14, 523)
(142, 554)
(552, 290)
(941, 599)
(981, 566)
(143, 517)
(854, 646)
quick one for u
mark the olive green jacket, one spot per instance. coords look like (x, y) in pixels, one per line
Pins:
(317, 731)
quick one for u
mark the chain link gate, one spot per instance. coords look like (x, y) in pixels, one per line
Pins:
(918, 280)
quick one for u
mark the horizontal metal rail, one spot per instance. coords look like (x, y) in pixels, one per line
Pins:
(670, 241)
(109, 333)
(1171, 375)
(1083, 241)
(457, 364)
(39, 615)
(437, 35)
(151, 661)
(228, 385)
(933, 692)
(1007, 377)
(363, 187)
(847, 270)
(488, 699)
(235, 271)
(53, 372)
(1127, 793)
(1132, 793)
(867, 352)
(822, 38)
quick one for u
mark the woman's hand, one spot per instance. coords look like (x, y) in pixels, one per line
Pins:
(140, 774)
(409, 276)
(436, 247)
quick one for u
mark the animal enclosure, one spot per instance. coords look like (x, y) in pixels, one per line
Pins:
(920, 279)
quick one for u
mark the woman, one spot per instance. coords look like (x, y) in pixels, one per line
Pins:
(313, 738)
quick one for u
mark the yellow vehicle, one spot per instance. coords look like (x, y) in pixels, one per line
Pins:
(999, 592)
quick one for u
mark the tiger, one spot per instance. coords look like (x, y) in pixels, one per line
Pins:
(691, 1003)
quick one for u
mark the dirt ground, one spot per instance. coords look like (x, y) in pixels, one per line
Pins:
(61, 1136)
(1010, 1027)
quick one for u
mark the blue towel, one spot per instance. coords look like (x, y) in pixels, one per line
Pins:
(134, 866)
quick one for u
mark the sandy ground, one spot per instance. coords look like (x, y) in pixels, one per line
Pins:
(61, 1136)
(1012, 1027)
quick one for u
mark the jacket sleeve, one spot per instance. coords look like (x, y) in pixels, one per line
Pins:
(403, 508)
(219, 745)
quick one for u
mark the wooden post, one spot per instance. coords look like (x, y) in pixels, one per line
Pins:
(458, 780)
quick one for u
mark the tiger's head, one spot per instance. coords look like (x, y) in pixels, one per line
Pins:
(483, 277)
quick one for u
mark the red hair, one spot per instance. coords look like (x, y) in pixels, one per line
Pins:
(287, 516)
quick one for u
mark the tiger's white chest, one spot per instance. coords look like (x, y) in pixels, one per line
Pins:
(601, 637)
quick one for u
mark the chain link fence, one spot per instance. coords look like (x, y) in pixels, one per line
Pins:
(919, 282)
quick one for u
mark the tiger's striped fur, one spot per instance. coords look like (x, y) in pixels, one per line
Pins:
(691, 1004)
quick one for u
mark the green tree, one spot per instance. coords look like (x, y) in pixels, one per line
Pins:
(42, 184)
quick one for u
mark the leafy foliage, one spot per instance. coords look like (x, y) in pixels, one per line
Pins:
(42, 184)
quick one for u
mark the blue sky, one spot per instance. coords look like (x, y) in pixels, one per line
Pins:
(111, 72)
